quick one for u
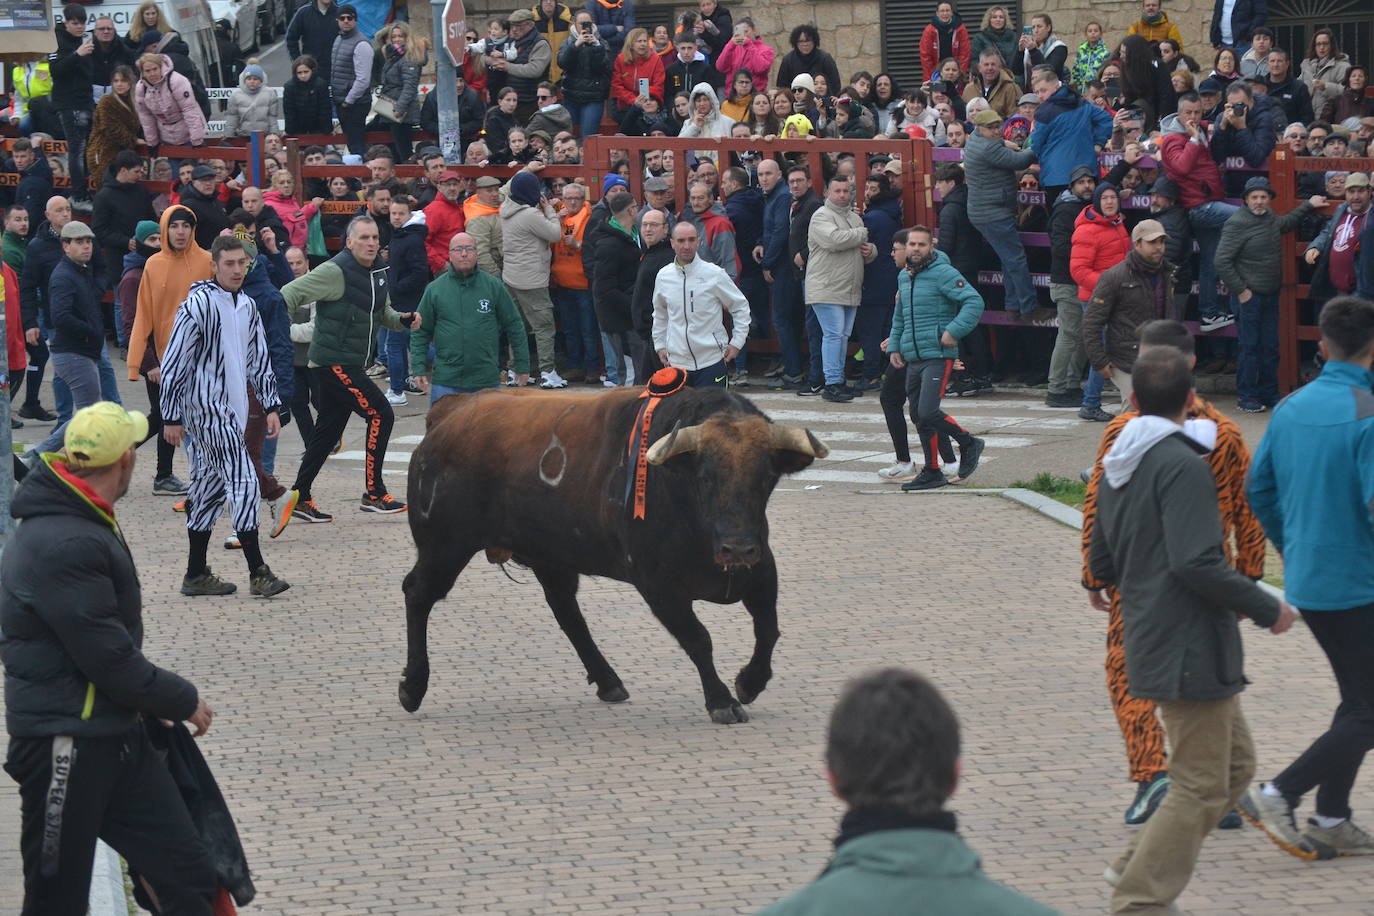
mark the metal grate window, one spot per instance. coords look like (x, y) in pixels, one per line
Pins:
(904, 20)
(1294, 21)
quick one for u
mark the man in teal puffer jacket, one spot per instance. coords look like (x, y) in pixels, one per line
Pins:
(936, 306)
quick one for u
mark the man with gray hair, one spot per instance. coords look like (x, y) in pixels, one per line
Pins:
(715, 231)
(892, 756)
(994, 83)
(352, 281)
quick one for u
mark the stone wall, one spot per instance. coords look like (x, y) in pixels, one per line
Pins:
(851, 29)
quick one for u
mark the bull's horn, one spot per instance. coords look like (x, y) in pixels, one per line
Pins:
(681, 439)
(793, 439)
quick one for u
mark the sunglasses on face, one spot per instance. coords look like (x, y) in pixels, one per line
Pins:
(347, 17)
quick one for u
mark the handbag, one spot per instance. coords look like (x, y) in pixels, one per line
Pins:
(385, 107)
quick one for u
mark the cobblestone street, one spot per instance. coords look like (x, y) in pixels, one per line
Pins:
(514, 790)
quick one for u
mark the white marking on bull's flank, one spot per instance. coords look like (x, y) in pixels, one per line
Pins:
(554, 447)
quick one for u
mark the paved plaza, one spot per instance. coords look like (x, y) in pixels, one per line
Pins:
(513, 790)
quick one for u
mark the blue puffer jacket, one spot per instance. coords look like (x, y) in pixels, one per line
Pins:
(935, 300)
(1067, 128)
(1312, 484)
(777, 228)
(882, 218)
(276, 326)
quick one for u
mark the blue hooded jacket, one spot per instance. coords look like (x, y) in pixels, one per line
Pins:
(1067, 128)
(777, 227)
(1312, 488)
(882, 218)
(276, 326)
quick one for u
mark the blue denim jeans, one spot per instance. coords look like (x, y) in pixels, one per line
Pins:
(787, 318)
(577, 323)
(395, 352)
(616, 347)
(1002, 235)
(1207, 221)
(82, 377)
(1257, 351)
(586, 116)
(837, 323)
(1092, 389)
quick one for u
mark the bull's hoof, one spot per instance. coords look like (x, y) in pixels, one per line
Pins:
(729, 715)
(411, 696)
(745, 687)
(615, 694)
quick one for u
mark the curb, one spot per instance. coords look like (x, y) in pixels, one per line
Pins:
(1071, 517)
(107, 884)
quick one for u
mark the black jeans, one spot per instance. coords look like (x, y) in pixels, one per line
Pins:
(925, 386)
(1333, 761)
(304, 396)
(164, 448)
(76, 127)
(75, 790)
(892, 398)
(353, 122)
(346, 390)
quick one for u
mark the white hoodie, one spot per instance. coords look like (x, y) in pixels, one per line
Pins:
(1140, 435)
(689, 302)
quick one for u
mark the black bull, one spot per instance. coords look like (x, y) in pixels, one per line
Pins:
(546, 478)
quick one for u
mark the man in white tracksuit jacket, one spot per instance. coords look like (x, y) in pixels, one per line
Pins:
(690, 297)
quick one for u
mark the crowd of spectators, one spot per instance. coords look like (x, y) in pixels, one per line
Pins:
(1028, 109)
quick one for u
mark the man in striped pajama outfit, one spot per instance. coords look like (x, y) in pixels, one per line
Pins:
(217, 349)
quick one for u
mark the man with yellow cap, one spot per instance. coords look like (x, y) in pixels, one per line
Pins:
(77, 683)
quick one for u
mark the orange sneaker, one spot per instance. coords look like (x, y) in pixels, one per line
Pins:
(382, 505)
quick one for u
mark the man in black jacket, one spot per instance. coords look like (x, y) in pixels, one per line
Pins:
(658, 254)
(71, 67)
(119, 205)
(202, 200)
(77, 682)
(687, 69)
(963, 244)
(805, 203)
(78, 327)
(1158, 535)
(617, 256)
(1069, 360)
(35, 180)
(313, 30)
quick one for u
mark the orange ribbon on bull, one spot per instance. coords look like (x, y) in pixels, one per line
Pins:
(663, 383)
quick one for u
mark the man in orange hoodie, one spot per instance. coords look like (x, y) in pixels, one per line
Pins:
(167, 278)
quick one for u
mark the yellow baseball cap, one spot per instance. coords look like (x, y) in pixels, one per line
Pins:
(99, 434)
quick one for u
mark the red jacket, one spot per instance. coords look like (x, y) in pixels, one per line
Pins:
(1191, 166)
(1098, 243)
(14, 324)
(625, 79)
(930, 51)
(444, 219)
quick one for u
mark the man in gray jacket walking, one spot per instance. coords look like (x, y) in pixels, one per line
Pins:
(1158, 537)
(991, 165)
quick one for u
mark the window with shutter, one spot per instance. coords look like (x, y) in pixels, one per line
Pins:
(903, 22)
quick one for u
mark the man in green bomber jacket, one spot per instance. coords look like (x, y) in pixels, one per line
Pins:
(892, 756)
(350, 292)
(463, 312)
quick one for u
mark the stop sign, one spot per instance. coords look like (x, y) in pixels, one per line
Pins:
(454, 26)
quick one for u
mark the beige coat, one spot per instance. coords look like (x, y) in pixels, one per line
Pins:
(526, 234)
(834, 266)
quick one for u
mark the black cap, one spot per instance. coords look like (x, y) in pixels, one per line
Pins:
(1210, 84)
(1082, 171)
(1165, 187)
(202, 171)
(350, 9)
(1258, 183)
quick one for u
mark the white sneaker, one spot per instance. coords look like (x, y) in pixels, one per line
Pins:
(510, 378)
(609, 384)
(899, 471)
(396, 398)
(552, 379)
(1216, 322)
(232, 543)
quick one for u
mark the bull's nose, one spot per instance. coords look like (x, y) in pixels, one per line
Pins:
(746, 553)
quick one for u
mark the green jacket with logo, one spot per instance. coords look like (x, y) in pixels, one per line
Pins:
(351, 302)
(464, 317)
(909, 872)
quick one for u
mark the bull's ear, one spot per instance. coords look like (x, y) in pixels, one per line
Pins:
(795, 449)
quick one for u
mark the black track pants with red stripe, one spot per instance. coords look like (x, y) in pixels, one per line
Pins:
(343, 391)
(925, 386)
(73, 790)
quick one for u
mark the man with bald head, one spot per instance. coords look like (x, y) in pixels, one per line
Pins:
(44, 254)
(658, 253)
(715, 231)
(465, 310)
(265, 217)
(690, 297)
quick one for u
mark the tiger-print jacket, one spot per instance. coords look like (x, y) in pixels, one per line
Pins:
(1242, 537)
